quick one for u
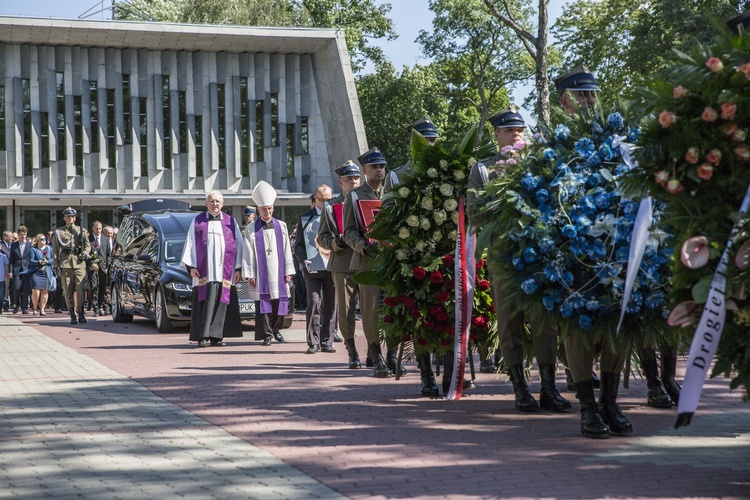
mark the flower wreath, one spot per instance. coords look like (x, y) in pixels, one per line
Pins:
(417, 228)
(561, 227)
(696, 157)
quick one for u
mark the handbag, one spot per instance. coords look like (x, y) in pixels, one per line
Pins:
(52, 285)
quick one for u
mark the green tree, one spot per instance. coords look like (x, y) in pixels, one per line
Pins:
(517, 15)
(391, 101)
(478, 59)
(361, 20)
(627, 43)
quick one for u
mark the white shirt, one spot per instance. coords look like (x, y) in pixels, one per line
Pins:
(215, 251)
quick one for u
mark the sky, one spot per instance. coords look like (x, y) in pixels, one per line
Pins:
(409, 17)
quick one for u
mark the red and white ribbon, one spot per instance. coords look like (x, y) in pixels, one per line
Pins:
(465, 273)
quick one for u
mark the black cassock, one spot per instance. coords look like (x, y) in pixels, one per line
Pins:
(212, 318)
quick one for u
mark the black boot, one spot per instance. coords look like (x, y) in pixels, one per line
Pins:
(73, 319)
(380, 369)
(613, 417)
(391, 359)
(657, 394)
(524, 400)
(592, 425)
(668, 371)
(81, 316)
(549, 397)
(369, 362)
(353, 354)
(429, 385)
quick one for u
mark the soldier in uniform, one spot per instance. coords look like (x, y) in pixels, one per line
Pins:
(71, 248)
(331, 238)
(577, 90)
(248, 217)
(509, 129)
(425, 127)
(374, 165)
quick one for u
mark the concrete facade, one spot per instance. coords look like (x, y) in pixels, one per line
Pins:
(101, 113)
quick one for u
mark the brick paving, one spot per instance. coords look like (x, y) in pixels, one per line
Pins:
(108, 410)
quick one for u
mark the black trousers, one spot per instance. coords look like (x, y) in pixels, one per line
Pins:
(268, 323)
(321, 307)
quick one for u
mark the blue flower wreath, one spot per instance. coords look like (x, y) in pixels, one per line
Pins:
(560, 227)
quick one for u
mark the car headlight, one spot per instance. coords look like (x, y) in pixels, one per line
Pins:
(181, 287)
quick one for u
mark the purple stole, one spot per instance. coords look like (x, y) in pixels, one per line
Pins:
(230, 251)
(264, 287)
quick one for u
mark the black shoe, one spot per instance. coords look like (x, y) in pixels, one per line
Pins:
(313, 349)
(487, 366)
(73, 320)
(217, 343)
(369, 362)
(202, 344)
(351, 348)
(279, 337)
(15, 310)
(58, 311)
(100, 312)
(391, 361)
(82, 319)
(611, 414)
(327, 348)
(25, 311)
(592, 424)
(549, 397)
(524, 400)
(337, 337)
(267, 340)
(469, 384)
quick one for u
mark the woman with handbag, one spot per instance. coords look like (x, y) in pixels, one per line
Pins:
(40, 270)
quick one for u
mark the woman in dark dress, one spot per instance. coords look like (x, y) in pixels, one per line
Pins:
(40, 269)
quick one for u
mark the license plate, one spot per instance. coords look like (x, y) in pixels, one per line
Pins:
(247, 307)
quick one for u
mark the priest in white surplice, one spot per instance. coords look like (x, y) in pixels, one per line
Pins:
(213, 257)
(268, 266)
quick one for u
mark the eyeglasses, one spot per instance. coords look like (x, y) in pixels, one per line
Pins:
(42, 239)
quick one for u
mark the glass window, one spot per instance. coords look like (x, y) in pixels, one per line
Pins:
(78, 134)
(27, 153)
(259, 114)
(94, 102)
(167, 126)
(60, 84)
(290, 150)
(111, 129)
(304, 135)
(274, 119)
(143, 134)
(2, 118)
(244, 132)
(126, 122)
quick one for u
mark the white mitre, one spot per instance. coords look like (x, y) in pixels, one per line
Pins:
(264, 194)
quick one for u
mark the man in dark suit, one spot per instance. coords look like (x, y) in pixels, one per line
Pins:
(20, 252)
(97, 272)
(5, 249)
(321, 294)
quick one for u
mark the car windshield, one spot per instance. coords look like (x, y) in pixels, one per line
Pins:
(173, 251)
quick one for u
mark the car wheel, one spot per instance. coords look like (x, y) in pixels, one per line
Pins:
(118, 315)
(163, 323)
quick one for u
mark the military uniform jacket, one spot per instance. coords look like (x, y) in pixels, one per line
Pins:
(354, 234)
(477, 178)
(341, 257)
(66, 239)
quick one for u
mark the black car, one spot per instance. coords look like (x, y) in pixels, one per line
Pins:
(145, 277)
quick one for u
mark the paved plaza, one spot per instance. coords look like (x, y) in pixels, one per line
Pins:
(106, 410)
